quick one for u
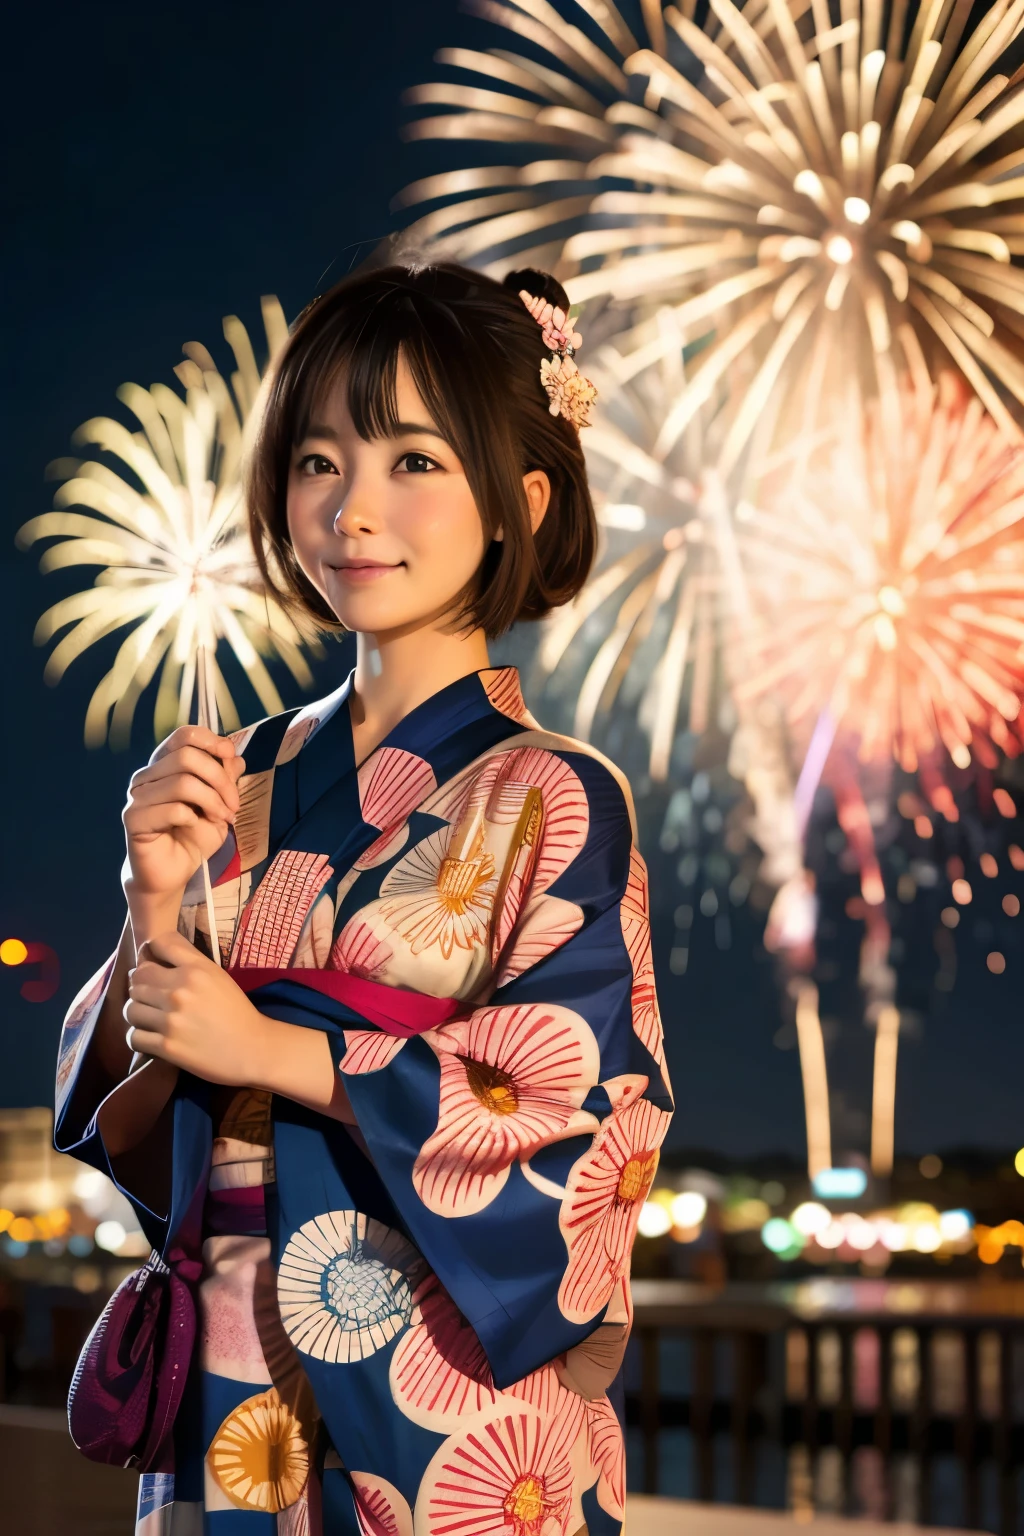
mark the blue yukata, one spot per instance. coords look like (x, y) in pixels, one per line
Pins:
(416, 1324)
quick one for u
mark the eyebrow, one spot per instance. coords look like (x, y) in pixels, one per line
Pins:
(401, 429)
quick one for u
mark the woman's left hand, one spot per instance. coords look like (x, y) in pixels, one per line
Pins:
(185, 1010)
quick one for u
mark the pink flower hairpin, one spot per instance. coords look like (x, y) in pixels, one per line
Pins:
(558, 333)
(569, 393)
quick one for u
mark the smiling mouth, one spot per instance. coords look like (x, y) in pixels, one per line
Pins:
(365, 572)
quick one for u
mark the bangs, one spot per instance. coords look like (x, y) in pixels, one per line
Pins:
(363, 348)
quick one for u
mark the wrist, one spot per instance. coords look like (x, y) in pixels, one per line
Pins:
(151, 912)
(264, 1036)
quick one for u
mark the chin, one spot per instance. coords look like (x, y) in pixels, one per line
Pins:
(378, 613)
(368, 616)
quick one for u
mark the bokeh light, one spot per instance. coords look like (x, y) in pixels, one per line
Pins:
(840, 1183)
(654, 1221)
(13, 952)
(689, 1208)
(781, 1238)
(110, 1235)
(810, 1218)
(954, 1225)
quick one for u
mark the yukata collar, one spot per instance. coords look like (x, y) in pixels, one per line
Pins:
(448, 729)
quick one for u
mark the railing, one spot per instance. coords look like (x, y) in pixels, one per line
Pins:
(888, 1375)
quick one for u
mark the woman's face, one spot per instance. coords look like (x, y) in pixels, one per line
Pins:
(387, 530)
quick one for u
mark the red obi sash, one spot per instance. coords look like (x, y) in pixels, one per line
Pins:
(396, 1010)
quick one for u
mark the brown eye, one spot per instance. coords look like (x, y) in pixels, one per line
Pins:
(315, 464)
(416, 463)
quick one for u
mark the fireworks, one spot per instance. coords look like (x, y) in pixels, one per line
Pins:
(818, 185)
(889, 586)
(171, 535)
(655, 603)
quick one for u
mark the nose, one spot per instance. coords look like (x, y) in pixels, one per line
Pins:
(356, 514)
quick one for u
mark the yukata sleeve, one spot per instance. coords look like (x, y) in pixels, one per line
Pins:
(82, 1085)
(520, 1141)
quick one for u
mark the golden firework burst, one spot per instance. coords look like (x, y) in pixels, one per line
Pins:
(170, 534)
(802, 187)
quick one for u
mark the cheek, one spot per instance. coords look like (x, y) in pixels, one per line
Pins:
(445, 523)
(305, 514)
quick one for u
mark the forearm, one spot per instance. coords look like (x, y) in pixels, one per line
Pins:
(147, 916)
(133, 1111)
(297, 1063)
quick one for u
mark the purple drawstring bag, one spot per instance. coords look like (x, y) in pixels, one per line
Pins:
(131, 1374)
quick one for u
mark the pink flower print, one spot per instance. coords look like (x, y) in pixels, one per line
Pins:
(607, 1456)
(368, 1050)
(557, 1404)
(392, 783)
(501, 686)
(558, 333)
(518, 805)
(509, 1477)
(623, 1090)
(635, 917)
(431, 899)
(383, 848)
(564, 806)
(313, 950)
(273, 920)
(512, 1081)
(604, 1193)
(566, 810)
(359, 950)
(380, 1508)
(439, 1373)
(547, 924)
(295, 738)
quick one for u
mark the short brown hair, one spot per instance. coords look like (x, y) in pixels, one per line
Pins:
(474, 353)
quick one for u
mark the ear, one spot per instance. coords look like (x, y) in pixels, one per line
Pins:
(538, 495)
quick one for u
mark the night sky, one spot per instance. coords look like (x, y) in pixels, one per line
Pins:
(165, 166)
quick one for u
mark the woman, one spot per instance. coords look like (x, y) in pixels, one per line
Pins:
(413, 1118)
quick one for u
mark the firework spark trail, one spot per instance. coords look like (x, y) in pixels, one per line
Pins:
(172, 538)
(818, 182)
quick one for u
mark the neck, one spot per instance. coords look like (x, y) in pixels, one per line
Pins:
(394, 673)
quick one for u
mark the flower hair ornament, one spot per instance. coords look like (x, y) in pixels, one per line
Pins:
(570, 394)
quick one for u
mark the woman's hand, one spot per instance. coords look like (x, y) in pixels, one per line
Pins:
(185, 1010)
(179, 809)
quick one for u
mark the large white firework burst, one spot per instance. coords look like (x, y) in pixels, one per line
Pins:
(170, 534)
(648, 623)
(798, 185)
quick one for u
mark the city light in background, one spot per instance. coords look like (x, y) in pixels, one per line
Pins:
(37, 987)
